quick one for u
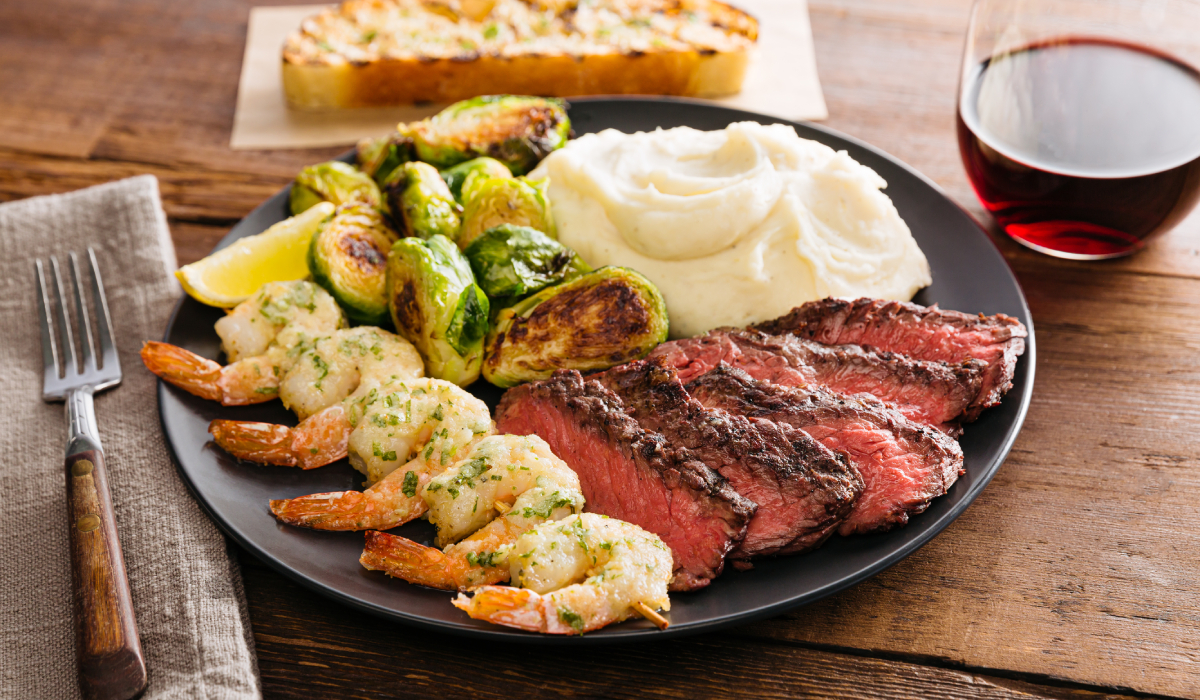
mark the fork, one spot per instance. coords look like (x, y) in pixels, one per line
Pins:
(111, 666)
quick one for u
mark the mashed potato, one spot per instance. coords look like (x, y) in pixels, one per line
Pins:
(734, 226)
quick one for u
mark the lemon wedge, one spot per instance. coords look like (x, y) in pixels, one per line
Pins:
(234, 274)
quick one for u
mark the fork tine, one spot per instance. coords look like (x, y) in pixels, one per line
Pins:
(85, 323)
(107, 348)
(66, 341)
(49, 347)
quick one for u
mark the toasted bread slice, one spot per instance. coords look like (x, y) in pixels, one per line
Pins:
(373, 53)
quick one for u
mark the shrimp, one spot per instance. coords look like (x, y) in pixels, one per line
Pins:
(516, 476)
(250, 329)
(497, 469)
(481, 558)
(318, 372)
(577, 574)
(399, 435)
(288, 343)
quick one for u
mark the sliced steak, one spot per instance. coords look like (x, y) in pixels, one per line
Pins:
(904, 465)
(921, 332)
(933, 393)
(803, 490)
(632, 474)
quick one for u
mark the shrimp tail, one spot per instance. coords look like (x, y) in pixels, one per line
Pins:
(404, 559)
(239, 384)
(184, 369)
(265, 443)
(511, 607)
(321, 439)
(348, 510)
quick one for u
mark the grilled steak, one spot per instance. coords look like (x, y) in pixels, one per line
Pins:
(802, 489)
(904, 465)
(926, 333)
(632, 474)
(933, 393)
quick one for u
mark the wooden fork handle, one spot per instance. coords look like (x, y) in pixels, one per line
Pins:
(109, 652)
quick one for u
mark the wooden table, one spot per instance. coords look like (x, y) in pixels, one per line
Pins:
(1076, 573)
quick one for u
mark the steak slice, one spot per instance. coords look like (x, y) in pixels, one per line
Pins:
(802, 489)
(933, 393)
(632, 474)
(903, 465)
(922, 332)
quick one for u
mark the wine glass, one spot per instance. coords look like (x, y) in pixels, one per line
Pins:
(1079, 120)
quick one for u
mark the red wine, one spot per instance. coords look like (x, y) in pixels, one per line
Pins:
(1085, 147)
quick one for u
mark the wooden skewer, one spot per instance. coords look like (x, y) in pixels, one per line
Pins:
(502, 507)
(652, 615)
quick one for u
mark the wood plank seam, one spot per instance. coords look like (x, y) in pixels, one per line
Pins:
(930, 661)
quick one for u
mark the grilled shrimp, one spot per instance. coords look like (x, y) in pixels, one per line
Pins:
(577, 574)
(250, 329)
(516, 476)
(481, 558)
(318, 372)
(498, 469)
(399, 434)
(287, 342)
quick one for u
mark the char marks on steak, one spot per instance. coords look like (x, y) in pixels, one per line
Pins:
(803, 490)
(929, 392)
(926, 333)
(904, 465)
(632, 474)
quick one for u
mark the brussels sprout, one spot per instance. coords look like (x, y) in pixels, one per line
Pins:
(515, 130)
(457, 176)
(348, 257)
(380, 157)
(437, 306)
(420, 203)
(596, 321)
(336, 182)
(493, 202)
(514, 261)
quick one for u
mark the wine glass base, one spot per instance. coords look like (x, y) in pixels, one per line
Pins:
(1066, 255)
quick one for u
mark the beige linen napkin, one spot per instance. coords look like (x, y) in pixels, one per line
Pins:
(782, 82)
(187, 591)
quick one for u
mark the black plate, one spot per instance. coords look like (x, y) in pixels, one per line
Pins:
(969, 274)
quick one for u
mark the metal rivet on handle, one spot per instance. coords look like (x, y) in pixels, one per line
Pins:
(82, 468)
(87, 523)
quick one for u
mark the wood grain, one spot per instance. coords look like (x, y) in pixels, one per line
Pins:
(107, 647)
(1078, 566)
(405, 662)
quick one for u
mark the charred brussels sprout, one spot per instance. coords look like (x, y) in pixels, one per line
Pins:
(336, 182)
(380, 157)
(494, 202)
(514, 261)
(456, 177)
(600, 320)
(437, 306)
(420, 203)
(517, 131)
(348, 257)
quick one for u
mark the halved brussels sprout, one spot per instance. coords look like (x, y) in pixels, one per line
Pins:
(513, 261)
(348, 257)
(336, 182)
(494, 202)
(379, 157)
(596, 321)
(457, 176)
(420, 203)
(515, 130)
(437, 306)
